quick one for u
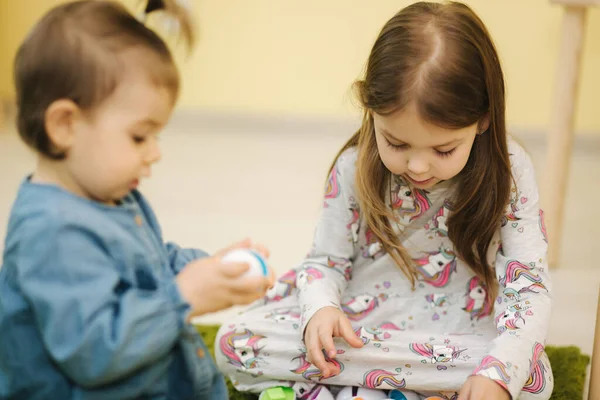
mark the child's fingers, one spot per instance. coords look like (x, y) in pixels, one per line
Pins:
(261, 249)
(234, 270)
(327, 341)
(243, 244)
(272, 278)
(465, 392)
(348, 334)
(255, 285)
(315, 354)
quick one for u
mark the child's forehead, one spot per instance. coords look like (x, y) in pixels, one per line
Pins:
(408, 126)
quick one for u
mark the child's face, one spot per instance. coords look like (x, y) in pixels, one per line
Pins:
(113, 149)
(423, 153)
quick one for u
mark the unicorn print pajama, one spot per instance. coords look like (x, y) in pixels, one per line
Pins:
(430, 339)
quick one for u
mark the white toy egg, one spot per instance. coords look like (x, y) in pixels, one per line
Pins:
(257, 263)
(358, 393)
(403, 395)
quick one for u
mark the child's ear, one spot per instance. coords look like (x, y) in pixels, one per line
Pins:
(484, 123)
(59, 122)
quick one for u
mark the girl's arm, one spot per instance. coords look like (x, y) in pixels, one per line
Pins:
(323, 276)
(523, 309)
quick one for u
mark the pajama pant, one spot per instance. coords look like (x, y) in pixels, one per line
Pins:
(263, 348)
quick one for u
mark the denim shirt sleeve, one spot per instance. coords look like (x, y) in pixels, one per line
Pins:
(178, 257)
(96, 326)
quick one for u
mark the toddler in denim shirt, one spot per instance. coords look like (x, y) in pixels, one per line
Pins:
(93, 303)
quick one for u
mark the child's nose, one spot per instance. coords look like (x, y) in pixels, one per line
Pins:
(153, 155)
(418, 165)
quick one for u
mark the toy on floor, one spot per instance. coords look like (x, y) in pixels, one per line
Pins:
(403, 395)
(358, 393)
(257, 263)
(286, 393)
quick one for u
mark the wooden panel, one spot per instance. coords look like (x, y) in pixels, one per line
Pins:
(560, 136)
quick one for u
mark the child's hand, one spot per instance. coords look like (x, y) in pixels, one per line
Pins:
(245, 244)
(248, 244)
(327, 323)
(482, 388)
(209, 285)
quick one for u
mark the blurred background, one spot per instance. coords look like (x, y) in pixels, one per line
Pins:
(266, 104)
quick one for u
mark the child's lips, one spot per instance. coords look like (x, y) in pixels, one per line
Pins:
(134, 184)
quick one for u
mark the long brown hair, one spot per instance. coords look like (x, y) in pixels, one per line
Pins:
(440, 57)
(78, 51)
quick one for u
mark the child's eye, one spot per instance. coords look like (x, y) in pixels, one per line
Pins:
(138, 139)
(445, 153)
(397, 147)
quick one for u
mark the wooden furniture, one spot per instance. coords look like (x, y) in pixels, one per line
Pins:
(560, 138)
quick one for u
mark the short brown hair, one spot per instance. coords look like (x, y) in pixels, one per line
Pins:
(77, 52)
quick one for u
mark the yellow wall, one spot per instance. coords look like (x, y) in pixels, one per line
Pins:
(16, 18)
(300, 56)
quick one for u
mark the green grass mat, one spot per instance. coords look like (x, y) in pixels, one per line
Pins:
(568, 365)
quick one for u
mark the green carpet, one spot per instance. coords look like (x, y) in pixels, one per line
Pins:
(568, 365)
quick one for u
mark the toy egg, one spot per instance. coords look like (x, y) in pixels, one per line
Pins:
(256, 262)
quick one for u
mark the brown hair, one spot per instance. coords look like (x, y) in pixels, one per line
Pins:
(78, 51)
(440, 57)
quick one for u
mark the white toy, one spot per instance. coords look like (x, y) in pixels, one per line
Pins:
(257, 263)
(403, 395)
(355, 393)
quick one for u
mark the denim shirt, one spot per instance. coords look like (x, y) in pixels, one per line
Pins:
(89, 307)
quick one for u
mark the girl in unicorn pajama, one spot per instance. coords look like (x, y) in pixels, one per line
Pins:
(428, 268)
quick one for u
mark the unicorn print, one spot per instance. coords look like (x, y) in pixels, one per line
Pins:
(436, 301)
(382, 379)
(332, 190)
(495, 370)
(536, 383)
(369, 334)
(373, 247)
(305, 390)
(511, 216)
(436, 353)
(408, 203)
(361, 306)
(436, 268)
(341, 265)
(354, 225)
(283, 287)
(308, 371)
(509, 320)
(520, 279)
(376, 334)
(477, 304)
(440, 220)
(241, 348)
(284, 314)
(307, 275)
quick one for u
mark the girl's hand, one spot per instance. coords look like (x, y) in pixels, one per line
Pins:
(327, 323)
(482, 388)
